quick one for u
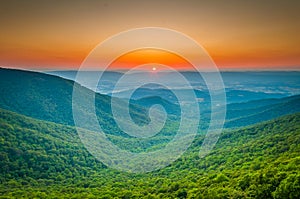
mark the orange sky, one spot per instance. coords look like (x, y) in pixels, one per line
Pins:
(142, 57)
(259, 34)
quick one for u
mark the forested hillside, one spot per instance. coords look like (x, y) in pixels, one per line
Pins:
(49, 98)
(149, 99)
(239, 115)
(42, 159)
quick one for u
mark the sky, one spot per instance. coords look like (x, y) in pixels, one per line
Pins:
(238, 35)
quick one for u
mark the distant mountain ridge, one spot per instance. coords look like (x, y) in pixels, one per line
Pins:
(49, 98)
(240, 86)
(239, 115)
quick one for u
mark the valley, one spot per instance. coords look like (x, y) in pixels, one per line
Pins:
(42, 156)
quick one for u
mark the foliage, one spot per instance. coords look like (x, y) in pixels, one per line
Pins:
(41, 155)
(49, 98)
(46, 160)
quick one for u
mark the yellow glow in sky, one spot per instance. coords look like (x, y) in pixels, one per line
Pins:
(258, 34)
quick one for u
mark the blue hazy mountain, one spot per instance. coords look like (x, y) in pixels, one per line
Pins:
(49, 97)
(243, 114)
(240, 86)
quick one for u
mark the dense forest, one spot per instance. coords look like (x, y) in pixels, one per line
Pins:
(42, 156)
(44, 159)
(49, 98)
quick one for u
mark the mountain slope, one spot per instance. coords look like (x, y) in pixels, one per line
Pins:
(149, 101)
(49, 98)
(276, 108)
(40, 150)
(41, 159)
(260, 103)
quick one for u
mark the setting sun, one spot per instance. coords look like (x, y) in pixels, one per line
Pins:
(150, 56)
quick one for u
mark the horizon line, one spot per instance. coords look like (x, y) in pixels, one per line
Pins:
(295, 69)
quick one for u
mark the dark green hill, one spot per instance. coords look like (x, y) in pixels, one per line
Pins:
(49, 98)
(239, 116)
(46, 160)
(40, 150)
(261, 103)
(36, 95)
(170, 108)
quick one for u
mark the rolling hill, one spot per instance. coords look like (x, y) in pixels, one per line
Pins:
(49, 98)
(252, 112)
(240, 86)
(41, 155)
(46, 160)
